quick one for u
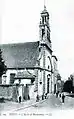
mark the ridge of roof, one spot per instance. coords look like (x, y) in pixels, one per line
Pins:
(18, 43)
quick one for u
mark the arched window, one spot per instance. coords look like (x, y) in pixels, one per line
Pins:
(48, 67)
(42, 20)
(50, 63)
(43, 32)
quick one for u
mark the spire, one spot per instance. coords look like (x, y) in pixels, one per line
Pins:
(44, 27)
(44, 4)
(45, 10)
(44, 15)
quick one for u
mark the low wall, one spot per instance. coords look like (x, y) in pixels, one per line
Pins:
(13, 92)
(9, 92)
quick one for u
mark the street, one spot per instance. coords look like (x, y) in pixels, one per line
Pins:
(49, 105)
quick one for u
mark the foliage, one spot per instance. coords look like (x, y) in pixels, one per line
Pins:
(3, 67)
(68, 87)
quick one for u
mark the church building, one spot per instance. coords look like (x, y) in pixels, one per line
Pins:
(29, 65)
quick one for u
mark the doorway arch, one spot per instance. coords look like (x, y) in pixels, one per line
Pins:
(48, 80)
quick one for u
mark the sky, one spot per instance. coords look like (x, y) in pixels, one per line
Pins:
(19, 22)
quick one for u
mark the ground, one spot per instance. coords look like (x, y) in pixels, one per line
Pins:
(51, 104)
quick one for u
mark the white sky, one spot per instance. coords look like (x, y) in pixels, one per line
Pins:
(19, 20)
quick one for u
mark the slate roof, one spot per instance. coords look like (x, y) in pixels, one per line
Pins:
(20, 55)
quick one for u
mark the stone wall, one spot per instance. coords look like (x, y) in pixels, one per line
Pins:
(9, 92)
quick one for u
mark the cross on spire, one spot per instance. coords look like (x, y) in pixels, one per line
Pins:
(44, 4)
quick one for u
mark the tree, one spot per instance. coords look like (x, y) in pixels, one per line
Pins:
(72, 79)
(68, 86)
(3, 67)
(58, 77)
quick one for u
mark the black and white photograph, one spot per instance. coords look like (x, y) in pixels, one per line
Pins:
(37, 58)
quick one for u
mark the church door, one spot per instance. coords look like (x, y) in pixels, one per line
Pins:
(54, 88)
(48, 85)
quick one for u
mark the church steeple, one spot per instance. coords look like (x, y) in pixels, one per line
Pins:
(44, 28)
(45, 16)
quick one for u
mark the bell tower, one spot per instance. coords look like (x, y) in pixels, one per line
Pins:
(45, 45)
(44, 29)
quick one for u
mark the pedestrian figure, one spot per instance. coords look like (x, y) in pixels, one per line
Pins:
(63, 98)
(20, 99)
(28, 97)
(37, 98)
(42, 97)
(56, 94)
(46, 96)
(60, 95)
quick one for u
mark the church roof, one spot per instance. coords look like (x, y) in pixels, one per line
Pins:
(20, 55)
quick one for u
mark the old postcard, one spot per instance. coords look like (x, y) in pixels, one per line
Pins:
(36, 58)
